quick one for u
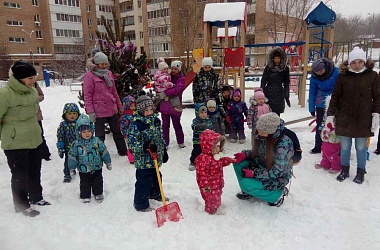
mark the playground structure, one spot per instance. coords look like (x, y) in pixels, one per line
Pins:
(318, 35)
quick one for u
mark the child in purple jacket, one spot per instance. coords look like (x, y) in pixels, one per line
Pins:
(236, 110)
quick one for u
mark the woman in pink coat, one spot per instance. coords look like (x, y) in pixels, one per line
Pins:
(101, 100)
(209, 165)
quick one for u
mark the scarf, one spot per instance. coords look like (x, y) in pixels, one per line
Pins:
(103, 73)
(262, 109)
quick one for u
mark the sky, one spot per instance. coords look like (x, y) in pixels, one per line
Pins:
(355, 7)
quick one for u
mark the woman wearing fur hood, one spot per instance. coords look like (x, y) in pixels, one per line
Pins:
(354, 109)
(275, 81)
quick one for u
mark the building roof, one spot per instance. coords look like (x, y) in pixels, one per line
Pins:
(321, 15)
(218, 13)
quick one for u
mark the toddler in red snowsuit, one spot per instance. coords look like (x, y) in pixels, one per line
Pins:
(209, 166)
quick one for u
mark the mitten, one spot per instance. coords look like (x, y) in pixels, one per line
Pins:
(92, 117)
(222, 112)
(228, 119)
(166, 157)
(146, 145)
(201, 126)
(239, 157)
(61, 153)
(312, 113)
(287, 102)
(330, 120)
(375, 122)
(247, 173)
(153, 148)
(109, 166)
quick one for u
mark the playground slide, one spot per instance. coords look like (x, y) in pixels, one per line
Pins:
(189, 78)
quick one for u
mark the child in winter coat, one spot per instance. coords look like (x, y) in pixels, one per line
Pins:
(126, 119)
(236, 110)
(163, 82)
(215, 117)
(209, 165)
(145, 134)
(200, 123)
(224, 100)
(66, 134)
(87, 154)
(330, 147)
(257, 109)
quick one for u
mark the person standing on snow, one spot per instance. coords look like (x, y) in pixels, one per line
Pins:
(355, 105)
(275, 81)
(322, 82)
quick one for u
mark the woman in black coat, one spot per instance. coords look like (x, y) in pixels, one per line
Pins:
(275, 81)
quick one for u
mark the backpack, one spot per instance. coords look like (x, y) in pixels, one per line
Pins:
(296, 144)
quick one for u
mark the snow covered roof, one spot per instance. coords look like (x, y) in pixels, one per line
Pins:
(218, 13)
(232, 32)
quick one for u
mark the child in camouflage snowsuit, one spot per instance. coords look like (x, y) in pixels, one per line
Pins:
(87, 154)
(66, 134)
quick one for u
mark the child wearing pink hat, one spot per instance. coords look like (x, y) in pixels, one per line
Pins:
(258, 107)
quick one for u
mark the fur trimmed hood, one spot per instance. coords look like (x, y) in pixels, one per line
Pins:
(282, 53)
(329, 69)
(343, 68)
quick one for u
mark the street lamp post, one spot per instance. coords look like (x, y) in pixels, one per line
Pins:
(30, 44)
(372, 29)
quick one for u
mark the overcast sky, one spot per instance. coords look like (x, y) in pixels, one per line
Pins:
(355, 7)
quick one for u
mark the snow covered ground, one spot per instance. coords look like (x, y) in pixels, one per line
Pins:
(319, 213)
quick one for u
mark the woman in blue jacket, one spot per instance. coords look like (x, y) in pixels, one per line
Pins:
(322, 82)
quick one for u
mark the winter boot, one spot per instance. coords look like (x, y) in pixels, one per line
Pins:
(359, 178)
(344, 174)
(243, 196)
(41, 203)
(280, 200)
(99, 198)
(30, 212)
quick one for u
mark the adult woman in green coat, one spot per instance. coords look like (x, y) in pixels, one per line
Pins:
(20, 136)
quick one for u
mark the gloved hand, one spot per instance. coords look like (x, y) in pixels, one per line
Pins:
(287, 102)
(92, 117)
(228, 119)
(146, 145)
(161, 95)
(247, 173)
(153, 148)
(239, 157)
(375, 122)
(222, 112)
(330, 120)
(166, 157)
(109, 166)
(312, 113)
(201, 126)
(61, 153)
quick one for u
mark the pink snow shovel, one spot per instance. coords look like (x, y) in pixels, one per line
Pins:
(171, 211)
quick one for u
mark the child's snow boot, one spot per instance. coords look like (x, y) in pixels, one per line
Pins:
(99, 198)
(359, 178)
(344, 174)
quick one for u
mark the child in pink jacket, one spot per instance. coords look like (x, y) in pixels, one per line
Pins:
(209, 166)
(163, 82)
(330, 147)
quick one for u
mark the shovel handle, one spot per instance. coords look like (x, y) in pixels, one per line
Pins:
(154, 156)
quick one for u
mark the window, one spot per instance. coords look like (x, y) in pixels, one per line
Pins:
(73, 3)
(140, 19)
(89, 21)
(67, 33)
(158, 13)
(16, 39)
(37, 18)
(14, 23)
(158, 31)
(200, 36)
(35, 2)
(88, 8)
(126, 6)
(165, 46)
(129, 20)
(105, 8)
(91, 36)
(40, 50)
(141, 34)
(69, 18)
(38, 34)
(131, 35)
(139, 3)
(12, 5)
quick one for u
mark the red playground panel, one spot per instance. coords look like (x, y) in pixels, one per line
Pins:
(189, 78)
(234, 58)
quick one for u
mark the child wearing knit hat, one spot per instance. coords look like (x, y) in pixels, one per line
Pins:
(258, 107)
(236, 110)
(145, 136)
(200, 123)
(162, 83)
(126, 118)
(215, 117)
